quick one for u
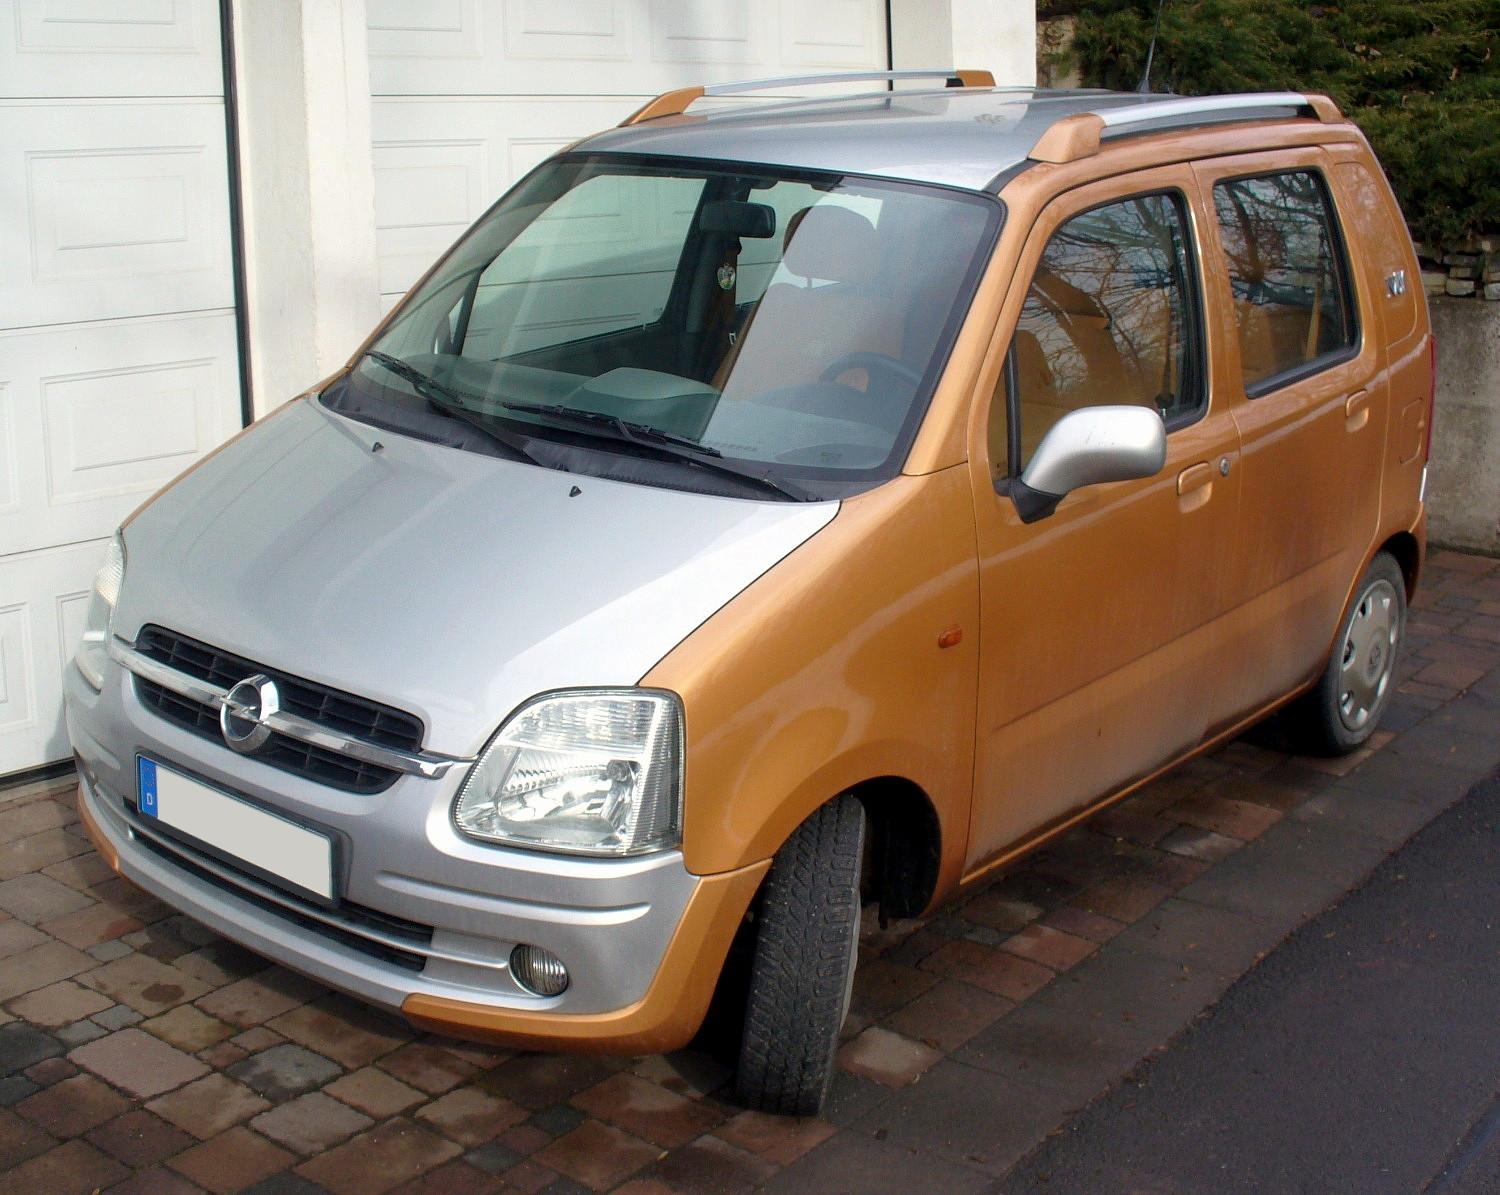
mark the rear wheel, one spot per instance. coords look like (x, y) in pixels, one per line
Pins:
(1342, 711)
(802, 971)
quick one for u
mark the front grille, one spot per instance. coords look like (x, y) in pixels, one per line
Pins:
(348, 924)
(343, 713)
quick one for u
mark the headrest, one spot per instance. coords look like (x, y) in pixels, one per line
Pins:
(831, 243)
(737, 219)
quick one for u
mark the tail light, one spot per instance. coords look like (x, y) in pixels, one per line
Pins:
(1431, 394)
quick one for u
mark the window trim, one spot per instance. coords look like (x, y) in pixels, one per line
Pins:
(1196, 331)
(1344, 278)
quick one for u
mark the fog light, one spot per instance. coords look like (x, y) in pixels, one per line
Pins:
(538, 971)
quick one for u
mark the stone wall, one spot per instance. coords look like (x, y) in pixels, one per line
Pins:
(1463, 485)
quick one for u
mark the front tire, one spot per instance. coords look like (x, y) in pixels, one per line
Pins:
(1343, 710)
(802, 971)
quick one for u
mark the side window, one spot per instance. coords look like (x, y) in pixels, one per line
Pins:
(1111, 317)
(1287, 273)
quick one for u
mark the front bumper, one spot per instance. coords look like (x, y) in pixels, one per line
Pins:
(426, 919)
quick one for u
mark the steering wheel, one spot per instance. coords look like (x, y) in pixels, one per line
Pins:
(870, 363)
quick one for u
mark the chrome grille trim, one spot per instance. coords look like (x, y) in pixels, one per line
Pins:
(427, 764)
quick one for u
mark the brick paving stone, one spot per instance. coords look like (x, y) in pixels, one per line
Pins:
(16, 936)
(19, 1140)
(524, 1139)
(345, 1032)
(258, 998)
(58, 1004)
(711, 1164)
(427, 1068)
(158, 1180)
(457, 1177)
(117, 1016)
(1051, 947)
(23, 1045)
(188, 1028)
(881, 987)
(232, 1161)
(26, 820)
(946, 1016)
(81, 872)
(495, 1158)
(21, 855)
(39, 967)
(37, 897)
(221, 963)
(374, 1092)
(49, 1071)
(107, 952)
(886, 1057)
(1123, 900)
(138, 1063)
(121, 894)
(999, 911)
(779, 1139)
(1192, 842)
(993, 970)
(378, 1160)
(92, 926)
(310, 1123)
(209, 1106)
(146, 985)
(76, 1168)
(687, 1072)
(260, 1038)
(79, 1032)
(530, 1177)
(139, 1139)
(1073, 920)
(284, 1071)
(597, 1155)
(1126, 822)
(471, 1116)
(648, 1111)
(73, 1107)
(1234, 819)
(220, 1056)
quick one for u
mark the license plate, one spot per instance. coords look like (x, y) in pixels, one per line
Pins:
(236, 831)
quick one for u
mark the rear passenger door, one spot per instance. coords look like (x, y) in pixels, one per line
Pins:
(1302, 375)
(1097, 658)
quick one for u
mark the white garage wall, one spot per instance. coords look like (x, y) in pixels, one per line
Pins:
(117, 345)
(471, 94)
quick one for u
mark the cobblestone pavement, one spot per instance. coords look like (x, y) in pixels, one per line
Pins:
(141, 1053)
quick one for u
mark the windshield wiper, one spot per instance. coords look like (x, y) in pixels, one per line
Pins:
(681, 448)
(447, 400)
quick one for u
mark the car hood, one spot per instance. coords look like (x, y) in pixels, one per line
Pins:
(448, 583)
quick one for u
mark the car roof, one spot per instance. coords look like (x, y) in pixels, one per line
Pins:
(954, 136)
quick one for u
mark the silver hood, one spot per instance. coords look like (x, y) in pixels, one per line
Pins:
(443, 582)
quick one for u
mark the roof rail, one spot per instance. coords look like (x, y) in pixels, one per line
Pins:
(674, 103)
(1079, 135)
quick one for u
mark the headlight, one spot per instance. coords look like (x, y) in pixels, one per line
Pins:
(93, 648)
(587, 772)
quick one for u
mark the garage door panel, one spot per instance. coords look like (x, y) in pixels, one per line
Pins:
(416, 220)
(614, 47)
(121, 210)
(109, 47)
(97, 417)
(43, 598)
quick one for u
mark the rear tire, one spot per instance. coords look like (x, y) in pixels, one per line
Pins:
(802, 971)
(1344, 708)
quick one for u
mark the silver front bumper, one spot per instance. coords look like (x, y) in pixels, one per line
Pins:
(422, 909)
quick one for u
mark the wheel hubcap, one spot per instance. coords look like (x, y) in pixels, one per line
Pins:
(1369, 654)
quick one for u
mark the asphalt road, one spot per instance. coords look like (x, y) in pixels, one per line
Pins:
(1362, 1055)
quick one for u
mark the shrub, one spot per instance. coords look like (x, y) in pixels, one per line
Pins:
(1422, 79)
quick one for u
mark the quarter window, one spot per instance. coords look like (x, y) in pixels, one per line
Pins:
(1290, 286)
(1110, 317)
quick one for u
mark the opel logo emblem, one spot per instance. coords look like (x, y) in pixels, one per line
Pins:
(247, 706)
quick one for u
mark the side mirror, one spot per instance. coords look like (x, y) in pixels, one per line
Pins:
(1087, 447)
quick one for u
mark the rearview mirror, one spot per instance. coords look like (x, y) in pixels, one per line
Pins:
(1087, 447)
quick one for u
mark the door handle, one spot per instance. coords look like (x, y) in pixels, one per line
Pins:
(1357, 410)
(1195, 485)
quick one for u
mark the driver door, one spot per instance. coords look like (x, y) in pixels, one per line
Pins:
(1097, 660)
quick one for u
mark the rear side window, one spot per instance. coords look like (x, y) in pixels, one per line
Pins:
(1288, 276)
(1111, 316)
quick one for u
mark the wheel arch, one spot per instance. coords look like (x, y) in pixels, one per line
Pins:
(905, 851)
(1407, 551)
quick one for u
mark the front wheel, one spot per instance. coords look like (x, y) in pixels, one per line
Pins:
(1342, 711)
(802, 971)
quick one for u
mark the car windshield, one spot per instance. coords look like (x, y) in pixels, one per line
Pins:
(738, 329)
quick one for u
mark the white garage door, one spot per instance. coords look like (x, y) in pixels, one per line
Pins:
(471, 94)
(117, 340)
